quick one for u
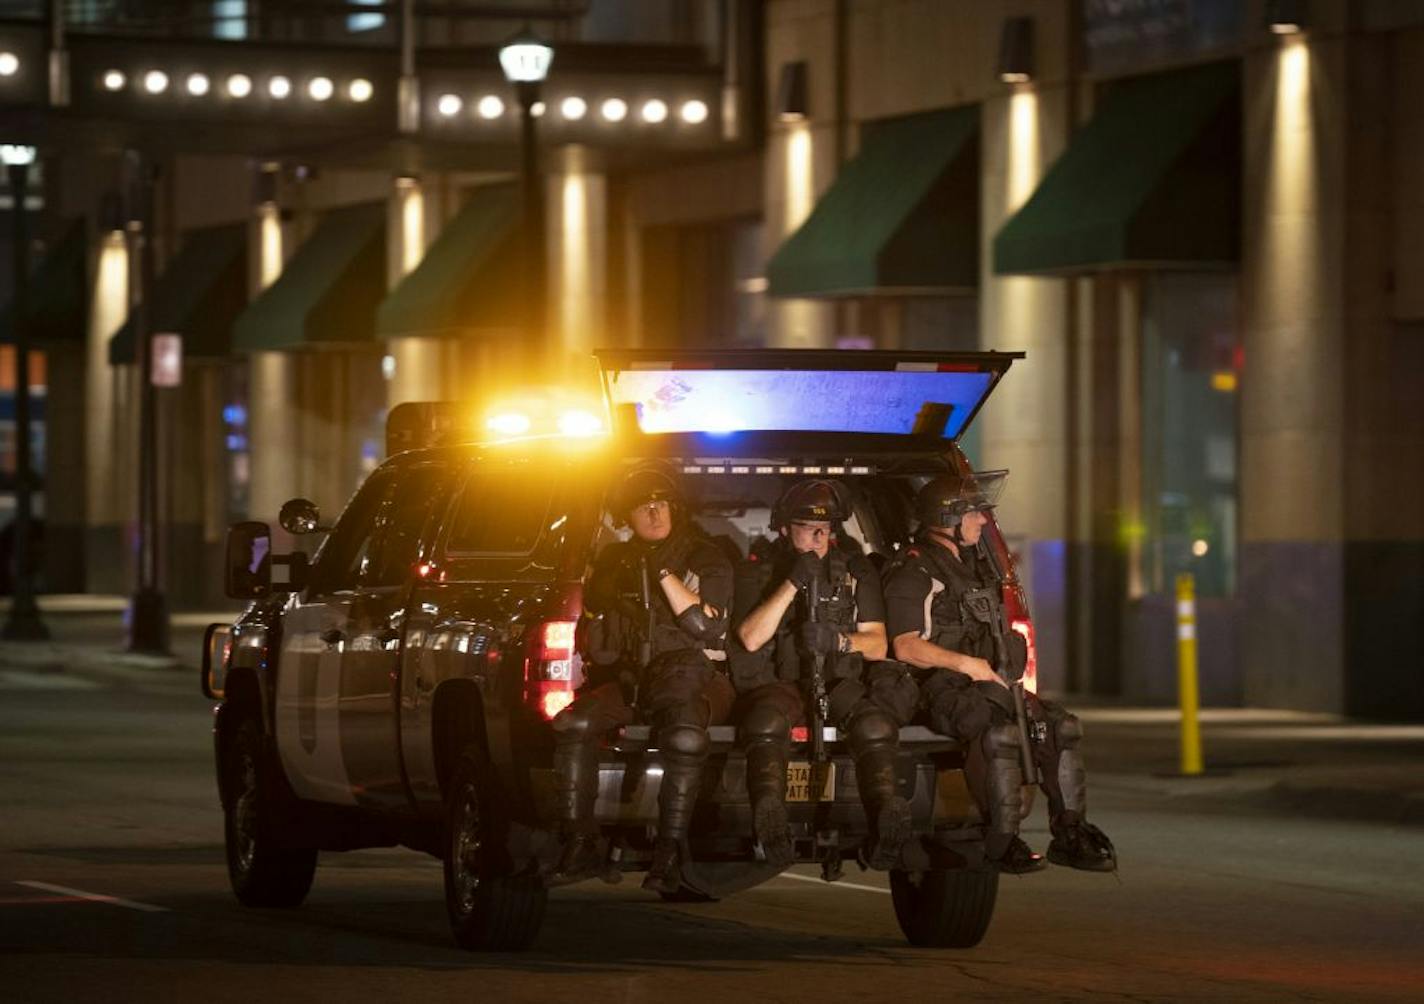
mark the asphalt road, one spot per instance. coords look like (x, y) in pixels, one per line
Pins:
(106, 791)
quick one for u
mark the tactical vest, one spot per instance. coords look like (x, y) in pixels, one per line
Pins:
(628, 620)
(836, 607)
(954, 624)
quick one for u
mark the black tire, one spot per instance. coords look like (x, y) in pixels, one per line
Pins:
(944, 909)
(490, 909)
(263, 869)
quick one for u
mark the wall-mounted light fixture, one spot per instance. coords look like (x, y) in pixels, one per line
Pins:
(1016, 50)
(791, 99)
(1285, 17)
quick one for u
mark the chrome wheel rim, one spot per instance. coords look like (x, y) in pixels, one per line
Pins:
(244, 811)
(466, 850)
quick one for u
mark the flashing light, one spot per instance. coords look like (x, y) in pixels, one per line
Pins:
(360, 90)
(279, 87)
(614, 109)
(155, 81)
(9, 64)
(508, 423)
(320, 88)
(198, 84)
(655, 111)
(573, 108)
(449, 105)
(239, 85)
(694, 112)
(577, 422)
(491, 106)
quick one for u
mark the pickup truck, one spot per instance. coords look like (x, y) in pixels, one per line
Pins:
(397, 687)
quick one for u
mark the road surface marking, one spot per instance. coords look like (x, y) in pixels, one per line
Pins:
(94, 897)
(21, 679)
(834, 885)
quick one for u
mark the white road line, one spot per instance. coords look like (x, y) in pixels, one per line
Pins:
(834, 885)
(95, 897)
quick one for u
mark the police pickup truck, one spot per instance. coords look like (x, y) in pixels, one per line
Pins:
(397, 687)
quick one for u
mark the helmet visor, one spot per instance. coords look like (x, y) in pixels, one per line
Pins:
(983, 490)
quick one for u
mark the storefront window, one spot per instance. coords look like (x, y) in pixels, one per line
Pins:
(1191, 370)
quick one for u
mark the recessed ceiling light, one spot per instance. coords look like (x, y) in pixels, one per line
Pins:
(9, 64)
(655, 111)
(490, 107)
(279, 87)
(449, 105)
(114, 80)
(320, 88)
(155, 81)
(239, 85)
(615, 109)
(198, 84)
(694, 112)
(360, 90)
(573, 108)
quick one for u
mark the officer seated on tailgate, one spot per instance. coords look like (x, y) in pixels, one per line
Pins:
(941, 597)
(868, 699)
(671, 579)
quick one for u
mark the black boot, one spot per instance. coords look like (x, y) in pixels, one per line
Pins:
(891, 824)
(1003, 797)
(766, 789)
(1077, 843)
(576, 787)
(684, 749)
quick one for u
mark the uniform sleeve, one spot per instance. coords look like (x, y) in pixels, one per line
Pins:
(714, 576)
(601, 591)
(748, 584)
(869, 597)
(906, 591)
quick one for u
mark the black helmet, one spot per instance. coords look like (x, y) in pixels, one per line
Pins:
(816, 500)
(647, 482)
(944, 499)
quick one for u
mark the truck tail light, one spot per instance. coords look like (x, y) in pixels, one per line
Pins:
(1024, 626)
(550, 667)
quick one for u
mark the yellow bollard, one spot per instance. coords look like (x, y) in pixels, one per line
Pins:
(1187, 673)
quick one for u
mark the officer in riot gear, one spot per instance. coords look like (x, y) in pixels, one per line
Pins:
(653, 641)
(945, 617)
(780, 643)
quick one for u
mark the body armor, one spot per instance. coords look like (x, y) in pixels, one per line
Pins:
(837, 608)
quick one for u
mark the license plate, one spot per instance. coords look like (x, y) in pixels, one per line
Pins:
(808, 782)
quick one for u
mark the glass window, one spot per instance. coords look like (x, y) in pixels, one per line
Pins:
(1190, 389)
(402, 522)
(501, 512)
(347, 554)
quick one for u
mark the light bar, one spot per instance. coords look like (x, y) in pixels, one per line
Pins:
(858, 469)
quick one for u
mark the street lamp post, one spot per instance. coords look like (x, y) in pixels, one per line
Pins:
(23, 622)
(148, 608)
(525, 60)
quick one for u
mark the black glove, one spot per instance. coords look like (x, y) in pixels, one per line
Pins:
(804, 567)
(672, 556)
(820, 638)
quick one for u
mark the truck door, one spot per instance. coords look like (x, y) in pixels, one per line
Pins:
(314, 645)
(371, 669)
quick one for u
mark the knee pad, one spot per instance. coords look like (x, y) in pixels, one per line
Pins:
(1001, 741)
(764, 724)
(870, 729)
(1068, 731)
(684, 740)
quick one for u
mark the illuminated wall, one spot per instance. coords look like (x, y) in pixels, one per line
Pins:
(578, 253)
(109, 307)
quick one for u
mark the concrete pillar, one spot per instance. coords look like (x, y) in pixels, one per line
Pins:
(578, 255)
(1024, 427)
(110, 421)
(271, 419)
(1292, 407)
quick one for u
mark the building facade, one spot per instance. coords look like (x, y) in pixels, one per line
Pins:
(1197, 217)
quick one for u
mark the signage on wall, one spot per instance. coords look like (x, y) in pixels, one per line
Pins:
(1135, 36)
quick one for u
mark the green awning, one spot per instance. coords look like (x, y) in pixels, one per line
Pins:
(1153, 180)
(902, 216)
(201, 292)
(468, 278)
(328, 293)
(57, 296)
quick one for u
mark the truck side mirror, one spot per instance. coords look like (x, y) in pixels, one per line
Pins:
(299, 516)
(249, 560)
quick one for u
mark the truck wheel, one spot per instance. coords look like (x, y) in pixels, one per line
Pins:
(944, 909)
(262, 871)
(490, 909)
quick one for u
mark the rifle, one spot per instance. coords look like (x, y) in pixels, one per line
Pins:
(820, 700)
(997, 619)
